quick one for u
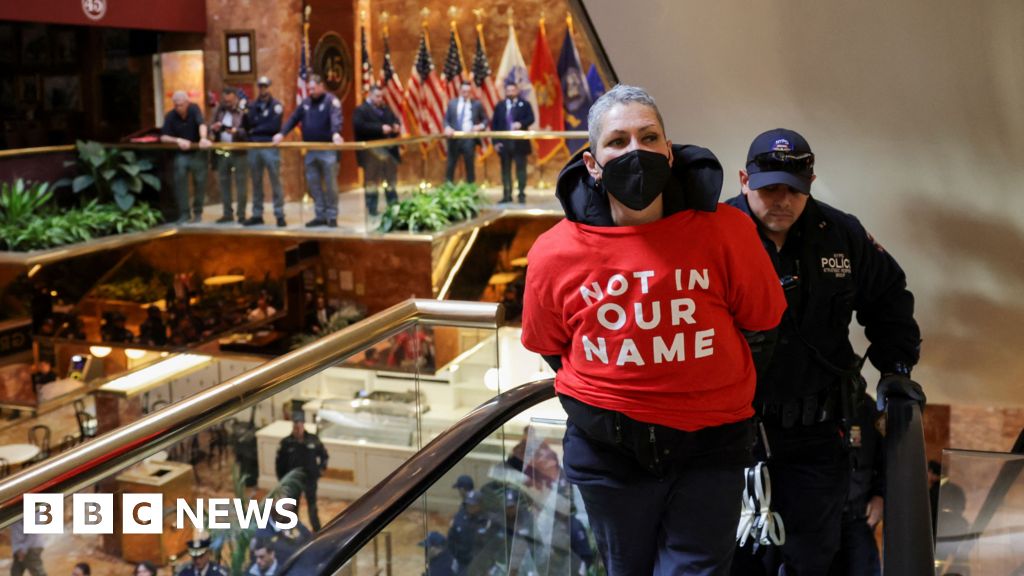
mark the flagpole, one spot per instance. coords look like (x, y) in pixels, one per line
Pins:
(425, 150)
(306, 12)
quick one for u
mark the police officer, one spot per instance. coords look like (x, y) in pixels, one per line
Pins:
(264, 120)
(284, 541)
(320, 116)
(304, 451)
(264, 560)
(202, 565)
(228, 126)
(865, 504)
(464, 484)
(469, 530)
(184, 126)
(829, 268)
(374, 120)
(440, 561)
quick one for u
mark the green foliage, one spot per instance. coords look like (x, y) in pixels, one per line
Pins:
(43, 231)
(116, 175)
(21, 200)
(134, 289)
(433, 210)
(236, 539)
(349, 313)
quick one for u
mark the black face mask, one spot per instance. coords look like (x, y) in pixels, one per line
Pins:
(636, 178)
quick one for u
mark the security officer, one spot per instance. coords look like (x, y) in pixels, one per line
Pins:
(320, 116)
(865, 504)
(829, 267)
(264, 120)
(464, 484)
(374, 120)
(184, 126)
(304, 451)
(439, 560)
(284, 541)
(202, 565)
(469, 530)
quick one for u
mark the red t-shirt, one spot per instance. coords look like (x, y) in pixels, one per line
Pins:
(647, 318)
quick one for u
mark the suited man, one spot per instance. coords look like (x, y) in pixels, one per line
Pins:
(464, 115)
(374, 120)
(512, 114)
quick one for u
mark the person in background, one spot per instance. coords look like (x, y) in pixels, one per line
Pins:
(284, 541)
(265, 563)
(201, 565)
(321, 120)
(145, 568)
(184, 126)
(319, 316)
(512, 113)
(439, 561)
(464, 114)
(263, 121)
(81, 569)
(27, 550)
(303, 450)
(153, 331)
(374, 120)
(229, 126)
(262, 311)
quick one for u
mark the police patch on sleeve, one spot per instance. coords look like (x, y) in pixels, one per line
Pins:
(336, 103)
(278, 109)
(875, 243)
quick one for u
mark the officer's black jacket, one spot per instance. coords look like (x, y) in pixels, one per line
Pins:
(320, 118)
(867, 479)
(831, 289)
(263, 119)
(308, 454)
(368, 124)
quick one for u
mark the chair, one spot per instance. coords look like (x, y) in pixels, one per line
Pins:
(39, 436)
(68, 442)
(87, 425)
(5, 467)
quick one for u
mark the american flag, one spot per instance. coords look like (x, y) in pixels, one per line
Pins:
(486, 92)
(425, 94)
(452, 75)
(301, 88)
(392, 86)
(366, 65)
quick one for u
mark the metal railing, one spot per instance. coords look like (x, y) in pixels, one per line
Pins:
(343, 537)
(110, 453)
(908, 527)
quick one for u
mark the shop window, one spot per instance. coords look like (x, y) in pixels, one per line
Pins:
(240, 53)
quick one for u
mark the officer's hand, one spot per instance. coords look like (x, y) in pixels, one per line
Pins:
(385, 129)
(516, 126)
(337, 139)
(448, 131)
(875, 511)
(216, 126)
(204, 143)
(277, 138)
(183, 144)
(498, 147)
(898, 385)
(396, 128)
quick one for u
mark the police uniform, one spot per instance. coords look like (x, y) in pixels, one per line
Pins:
(468, 531)
(264, 120)
(321, 119)
(378, 164)
(440, 561)
(858, 553)
(830, 268)
(285, 542)
(309, 455)
(197, 547)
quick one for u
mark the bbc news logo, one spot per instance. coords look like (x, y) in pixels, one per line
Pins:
(144, 513)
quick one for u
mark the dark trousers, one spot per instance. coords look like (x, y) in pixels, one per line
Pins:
(194, 163)
(268, 159)
(322, 179)
(32, 563)
(506, 175)
(309, 491)
(466, 150)
(233, 166)
(810, 475)
(858, 551)
(379, 168)
(680, 522)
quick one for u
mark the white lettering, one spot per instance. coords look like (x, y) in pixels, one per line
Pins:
(245, 517)
(677, 352)
(602, 316)
(702, 344)
(587, 294)
(701, 279)
(679, 280)
(620, 289)
(196, 516)
(638, 309)
(683, 308)
(285, 509)
(601, 350)
(629, 353)
(219, 508)
(643, 276)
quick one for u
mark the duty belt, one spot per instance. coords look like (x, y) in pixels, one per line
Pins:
(805, 411)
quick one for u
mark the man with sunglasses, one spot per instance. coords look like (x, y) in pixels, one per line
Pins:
(830, 268)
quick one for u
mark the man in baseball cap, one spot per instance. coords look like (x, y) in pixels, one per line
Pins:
(440, 561)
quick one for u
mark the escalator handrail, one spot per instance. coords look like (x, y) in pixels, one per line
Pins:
(361, 521)
(908, 526)
(108, 454)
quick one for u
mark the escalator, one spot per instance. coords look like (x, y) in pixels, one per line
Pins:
(529, 518)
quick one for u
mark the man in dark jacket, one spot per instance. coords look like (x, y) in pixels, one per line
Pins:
(304, 451)
(830, 268)
(464, 114)
(320, 116)
(512, 113)
(264, 120)
(374, 120)
(184, 126)
(228, 125)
